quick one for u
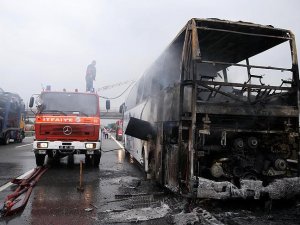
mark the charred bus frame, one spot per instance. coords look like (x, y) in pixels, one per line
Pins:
(200, 134)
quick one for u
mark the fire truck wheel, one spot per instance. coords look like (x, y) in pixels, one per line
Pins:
(70, 160)
(39, 159)
(88, 160)
(97, 160)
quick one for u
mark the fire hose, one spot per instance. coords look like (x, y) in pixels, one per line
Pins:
(25, 187)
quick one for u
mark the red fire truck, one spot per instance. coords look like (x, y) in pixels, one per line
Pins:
(119, 130)
(67, 123)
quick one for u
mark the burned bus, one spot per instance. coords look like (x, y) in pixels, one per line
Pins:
(217, 114)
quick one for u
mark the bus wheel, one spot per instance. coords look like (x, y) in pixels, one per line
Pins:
(39, 159)
(6, 139)
(96, 159)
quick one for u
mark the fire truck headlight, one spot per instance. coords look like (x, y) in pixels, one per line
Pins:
(42, 145)
(90, 145)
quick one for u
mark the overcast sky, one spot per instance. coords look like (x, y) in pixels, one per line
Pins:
(52, 42)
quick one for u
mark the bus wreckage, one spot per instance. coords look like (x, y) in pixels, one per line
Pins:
(217, 114)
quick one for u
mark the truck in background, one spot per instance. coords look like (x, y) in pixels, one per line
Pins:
(67, 123)
(119, 130)
(12, 115)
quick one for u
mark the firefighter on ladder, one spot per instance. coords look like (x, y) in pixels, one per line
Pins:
(90, 76)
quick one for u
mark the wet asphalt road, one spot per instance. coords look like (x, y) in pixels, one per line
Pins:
(117, 193)
(15, 159)
(56, 200)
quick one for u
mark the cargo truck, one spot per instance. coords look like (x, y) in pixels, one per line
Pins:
(12, 114)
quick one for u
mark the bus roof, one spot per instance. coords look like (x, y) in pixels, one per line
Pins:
(221, 40)
(226, 41)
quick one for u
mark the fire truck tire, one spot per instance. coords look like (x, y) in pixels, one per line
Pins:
(70, 160)
(39, 159)
(88, 160)
(96, 160)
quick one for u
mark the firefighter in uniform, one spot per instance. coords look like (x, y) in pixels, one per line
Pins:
(90, 76)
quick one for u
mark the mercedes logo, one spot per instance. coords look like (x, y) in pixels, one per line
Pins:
(67, 130)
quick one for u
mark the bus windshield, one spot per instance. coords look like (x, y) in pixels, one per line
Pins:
(69, 103)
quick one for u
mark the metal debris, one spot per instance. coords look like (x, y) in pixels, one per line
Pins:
(88, 209)
(279, 189)
(197, 215)
(130, 182)
(185, 218)
(140, 214)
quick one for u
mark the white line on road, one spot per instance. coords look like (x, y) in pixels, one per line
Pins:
(20, 146)
(3, 187)
(121, 146)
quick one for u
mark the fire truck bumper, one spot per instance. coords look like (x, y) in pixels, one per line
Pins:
(284, 188)
(65, 148)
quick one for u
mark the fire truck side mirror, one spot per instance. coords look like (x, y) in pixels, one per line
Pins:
(107, 105)
(31, 102)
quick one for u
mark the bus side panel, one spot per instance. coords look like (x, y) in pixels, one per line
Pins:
(171, 104)
(170, 155)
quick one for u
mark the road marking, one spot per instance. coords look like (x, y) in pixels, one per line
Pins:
(20, 146)
(3, 187)
(118, 143)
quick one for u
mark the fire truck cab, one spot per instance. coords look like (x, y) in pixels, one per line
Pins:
(67, 123)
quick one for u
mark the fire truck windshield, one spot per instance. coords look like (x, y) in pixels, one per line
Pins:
(69, 103)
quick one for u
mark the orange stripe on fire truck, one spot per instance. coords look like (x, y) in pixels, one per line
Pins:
(67, 119)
